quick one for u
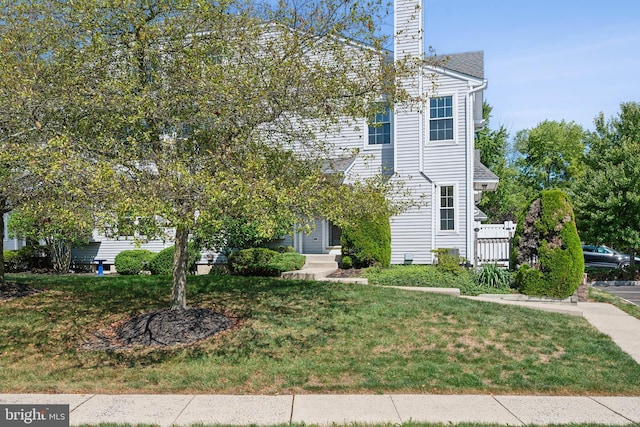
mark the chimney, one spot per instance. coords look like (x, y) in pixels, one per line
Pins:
(409, 120)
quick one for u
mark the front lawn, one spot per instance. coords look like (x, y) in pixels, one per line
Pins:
(302, 336)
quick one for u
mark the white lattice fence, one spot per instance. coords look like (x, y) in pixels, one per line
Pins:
(493, 243)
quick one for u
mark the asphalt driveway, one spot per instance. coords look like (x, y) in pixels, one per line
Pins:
(630, 293)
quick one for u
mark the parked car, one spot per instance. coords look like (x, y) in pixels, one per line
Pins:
(605, 257)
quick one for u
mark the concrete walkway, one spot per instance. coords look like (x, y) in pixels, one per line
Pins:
(185, 410)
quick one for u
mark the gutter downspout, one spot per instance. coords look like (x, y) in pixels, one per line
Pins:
(469, 234)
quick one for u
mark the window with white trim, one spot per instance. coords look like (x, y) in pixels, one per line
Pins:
(380, 128)
(447, 208)
(441, 118)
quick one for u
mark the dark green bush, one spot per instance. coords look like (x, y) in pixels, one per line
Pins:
(133, 261)
(253, 262)
(287, 261)
(547, 250)
(264, 262)
(219, 270)
(13, 263)
(162, 262)
(27, 258)
(368, 242)
(347, 262)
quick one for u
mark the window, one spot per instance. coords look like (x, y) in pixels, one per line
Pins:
(441, 118)
(447, 208)
(380, 128)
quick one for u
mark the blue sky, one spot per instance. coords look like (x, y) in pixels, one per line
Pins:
(545, 60)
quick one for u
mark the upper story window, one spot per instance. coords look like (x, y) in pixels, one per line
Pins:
(441, 118)
(447, 208)
(380, 128)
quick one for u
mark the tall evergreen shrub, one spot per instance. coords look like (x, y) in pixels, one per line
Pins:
(546, 250)
(368, 242)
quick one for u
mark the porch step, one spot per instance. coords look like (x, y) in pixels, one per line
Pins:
(308, 273)
(324, 261)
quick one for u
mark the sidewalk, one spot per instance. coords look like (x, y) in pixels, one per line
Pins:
(185, 410)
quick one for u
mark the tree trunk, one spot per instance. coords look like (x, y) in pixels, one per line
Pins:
(180, 260)
(2, 247)
(60, 256)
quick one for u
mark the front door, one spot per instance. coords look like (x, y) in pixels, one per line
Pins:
(335, 233)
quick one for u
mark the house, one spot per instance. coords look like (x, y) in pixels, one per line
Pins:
(10, 243)
(427, 146)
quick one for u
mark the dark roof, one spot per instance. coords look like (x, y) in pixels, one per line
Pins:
(481, 172)
(469, 63)
(338, 165)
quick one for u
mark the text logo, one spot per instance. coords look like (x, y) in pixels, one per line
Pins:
(34, 415)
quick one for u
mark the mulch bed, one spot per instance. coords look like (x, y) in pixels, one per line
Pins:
(10, 290)
(161, 328)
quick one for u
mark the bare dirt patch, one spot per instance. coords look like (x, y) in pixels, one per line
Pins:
(10, 290)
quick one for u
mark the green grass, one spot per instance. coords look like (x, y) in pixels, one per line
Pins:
(303, 337)
(428, 276)
(601, 295)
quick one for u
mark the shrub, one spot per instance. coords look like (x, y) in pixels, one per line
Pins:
(287, 261)
(13, 263)
(425, 276)
(448, 261)
(347, 262)
(253, 262)
(219, 270)
(368, 242)
(492, 276)
(162, 262)
(547, 250)
(284, 249)
(27, 258)
(133, 261)
(264, 262)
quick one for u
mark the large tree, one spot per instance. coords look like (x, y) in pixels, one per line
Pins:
(509, 199)
(550, 155)
(607, 198)
(186, 106)
(30, 119)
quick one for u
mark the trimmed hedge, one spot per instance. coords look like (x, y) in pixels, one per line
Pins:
(368, 243)
(133, 261)
(162, 262)
(546, 249)
(264, 262)
(26, 258)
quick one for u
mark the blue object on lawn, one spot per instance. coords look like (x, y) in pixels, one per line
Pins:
(100, 266)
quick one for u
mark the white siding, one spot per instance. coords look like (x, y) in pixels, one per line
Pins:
(107, 249)
(446, 164)
(10, 244)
